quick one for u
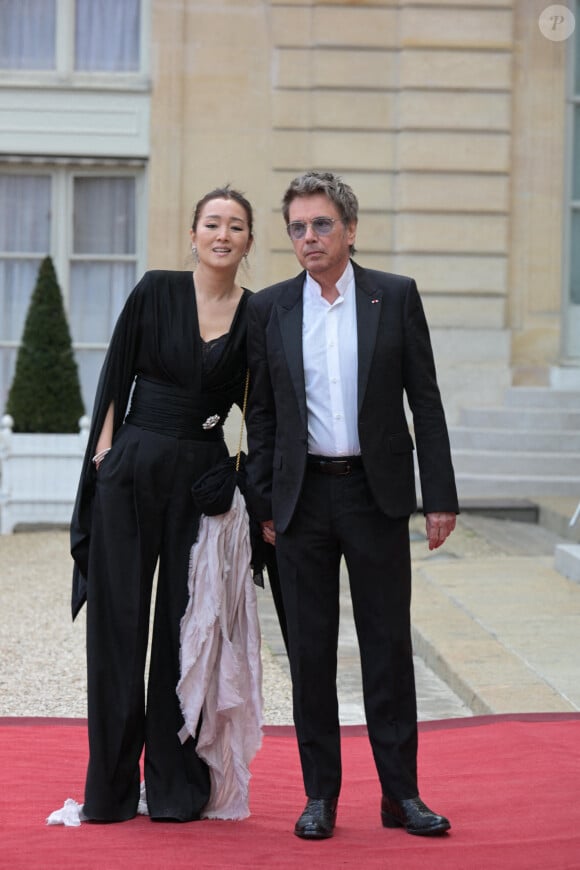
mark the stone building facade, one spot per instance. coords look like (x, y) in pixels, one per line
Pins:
(453, 121)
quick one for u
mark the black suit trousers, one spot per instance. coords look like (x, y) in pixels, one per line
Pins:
(337, 516)
(143, 516)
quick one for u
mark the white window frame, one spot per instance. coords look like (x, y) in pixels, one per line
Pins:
(64, 75)
(62, 173)
(68, 256)
(570, 314)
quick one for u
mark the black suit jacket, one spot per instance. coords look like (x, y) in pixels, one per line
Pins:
(394, 358)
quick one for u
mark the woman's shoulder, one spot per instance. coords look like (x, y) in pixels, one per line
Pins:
(164, 277)
(158, 284)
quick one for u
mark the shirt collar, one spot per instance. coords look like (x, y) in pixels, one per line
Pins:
(312, 287)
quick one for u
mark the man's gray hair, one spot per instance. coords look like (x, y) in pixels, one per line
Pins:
(328, 183)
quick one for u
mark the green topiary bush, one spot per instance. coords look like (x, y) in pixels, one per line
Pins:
(45, 395)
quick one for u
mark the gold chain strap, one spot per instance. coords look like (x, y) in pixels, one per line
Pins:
(244, 406)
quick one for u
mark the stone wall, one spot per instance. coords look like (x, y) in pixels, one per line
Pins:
(446, 118)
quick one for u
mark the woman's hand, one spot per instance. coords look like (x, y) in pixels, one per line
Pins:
(99, 456)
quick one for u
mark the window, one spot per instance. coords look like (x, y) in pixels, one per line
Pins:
(107, 35)
(571, 300)
(102, 265)
(575, 202)
(27, 34)
(24, 241)
(88, 221)
(36, 35)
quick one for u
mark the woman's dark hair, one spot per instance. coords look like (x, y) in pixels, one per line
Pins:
(225, 192)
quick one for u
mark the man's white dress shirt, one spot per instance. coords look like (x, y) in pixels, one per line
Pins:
(330, 356)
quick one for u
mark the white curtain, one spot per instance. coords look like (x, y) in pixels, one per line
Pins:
(575, 259)
(103, 266)
(104, 215)
(98, 291)
(24, 241)
(107, 35)
(24, 213)
(7, 363)
(27, 34)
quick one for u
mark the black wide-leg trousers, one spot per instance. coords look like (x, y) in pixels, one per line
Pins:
(337, 516)
(143, 515)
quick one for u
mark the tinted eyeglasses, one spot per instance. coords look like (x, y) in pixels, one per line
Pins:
(322, 226)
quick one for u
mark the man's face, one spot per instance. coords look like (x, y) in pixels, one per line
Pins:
(321, 255)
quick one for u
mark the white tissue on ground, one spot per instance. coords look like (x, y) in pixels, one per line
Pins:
(71, 813)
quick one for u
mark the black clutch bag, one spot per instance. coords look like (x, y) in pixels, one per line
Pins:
(213, 492)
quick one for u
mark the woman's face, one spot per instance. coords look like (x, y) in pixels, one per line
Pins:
(222, 233)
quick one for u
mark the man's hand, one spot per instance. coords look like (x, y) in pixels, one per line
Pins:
(439, 527)
(268, 533)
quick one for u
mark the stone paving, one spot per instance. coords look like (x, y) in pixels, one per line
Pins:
(435, 699)
(502, 629)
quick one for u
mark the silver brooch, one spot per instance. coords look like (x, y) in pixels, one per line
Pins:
(211, 422)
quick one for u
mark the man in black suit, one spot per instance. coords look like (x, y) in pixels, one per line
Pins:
(330, 471)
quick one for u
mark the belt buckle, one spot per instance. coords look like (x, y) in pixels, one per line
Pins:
(338, 467)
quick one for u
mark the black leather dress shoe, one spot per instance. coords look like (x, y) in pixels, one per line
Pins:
(413, 816)
(318, 819)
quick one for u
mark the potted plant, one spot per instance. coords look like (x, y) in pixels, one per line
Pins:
(40, 445)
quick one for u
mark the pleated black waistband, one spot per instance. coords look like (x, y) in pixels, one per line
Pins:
(171, 410)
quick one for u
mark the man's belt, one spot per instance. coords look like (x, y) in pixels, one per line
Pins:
(337, 465)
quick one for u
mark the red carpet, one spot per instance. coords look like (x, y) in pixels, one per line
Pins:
(509, 785)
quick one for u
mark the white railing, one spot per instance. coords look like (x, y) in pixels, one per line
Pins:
(39, 475)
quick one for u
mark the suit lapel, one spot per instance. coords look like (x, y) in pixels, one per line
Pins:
(290, 319)
(369, 301)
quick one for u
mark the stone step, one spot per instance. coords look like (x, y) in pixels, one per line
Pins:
(542, 397)
(494, 489)
(488, 438)
(567, 561)
(518, 419)
(490, 486)
(556, 515)
(527, 448)
(518, 510)
(522, 462)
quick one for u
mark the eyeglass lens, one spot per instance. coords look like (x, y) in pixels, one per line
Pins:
(322, 226)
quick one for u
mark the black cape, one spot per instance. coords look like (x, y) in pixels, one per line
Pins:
(157, 336)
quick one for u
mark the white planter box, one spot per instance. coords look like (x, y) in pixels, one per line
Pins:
(39, 475)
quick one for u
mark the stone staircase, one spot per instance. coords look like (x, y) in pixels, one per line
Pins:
(527, 448)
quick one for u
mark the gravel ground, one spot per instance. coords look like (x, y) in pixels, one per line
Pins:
(42, 652)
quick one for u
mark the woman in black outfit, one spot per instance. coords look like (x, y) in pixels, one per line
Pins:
(180, 347)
